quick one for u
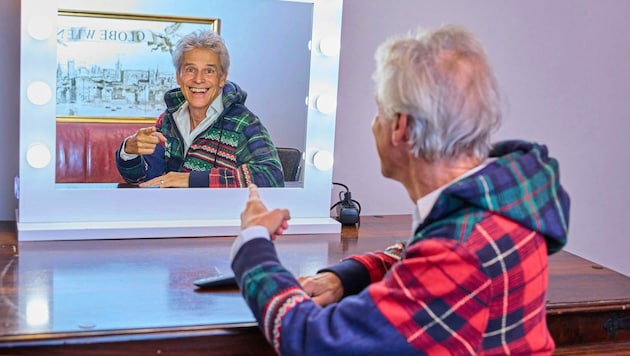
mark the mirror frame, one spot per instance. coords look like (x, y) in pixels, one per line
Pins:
(76, 212)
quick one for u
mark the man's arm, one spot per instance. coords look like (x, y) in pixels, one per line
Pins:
(350, 276)
(359, 271)
(141, 168)
(411, 310)
(140, 156)
(435, 300)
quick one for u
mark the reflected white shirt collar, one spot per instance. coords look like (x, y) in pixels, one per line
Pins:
(182, 120)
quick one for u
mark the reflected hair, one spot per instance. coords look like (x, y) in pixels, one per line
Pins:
(442, 80)
(205, 39)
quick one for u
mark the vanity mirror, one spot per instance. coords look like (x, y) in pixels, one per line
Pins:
(283, 53)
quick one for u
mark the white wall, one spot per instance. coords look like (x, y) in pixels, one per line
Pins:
(564, 66)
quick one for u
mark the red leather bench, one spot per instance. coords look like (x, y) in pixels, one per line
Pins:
(85, 150)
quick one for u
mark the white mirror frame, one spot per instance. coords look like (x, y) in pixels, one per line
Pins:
(46, 212)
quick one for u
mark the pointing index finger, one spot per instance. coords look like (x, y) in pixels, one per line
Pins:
(253, 192)
(147, 130)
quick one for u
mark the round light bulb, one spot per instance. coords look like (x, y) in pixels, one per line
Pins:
(38, 155)
(40, 27)
(323, 160)
(326, 104)
(329, 46)
(39, 93)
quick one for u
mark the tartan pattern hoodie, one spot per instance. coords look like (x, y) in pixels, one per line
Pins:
(472, 279)
(234, 151)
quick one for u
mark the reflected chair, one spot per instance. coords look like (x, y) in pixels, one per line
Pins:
(291, 160)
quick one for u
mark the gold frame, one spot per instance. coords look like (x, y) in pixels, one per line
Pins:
(107, 119)
(214, 22)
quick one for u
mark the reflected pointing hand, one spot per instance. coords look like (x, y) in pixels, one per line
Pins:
(144, 141)
(256, 214)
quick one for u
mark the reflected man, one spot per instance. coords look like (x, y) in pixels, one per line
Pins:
(206, 137)
(472, 277)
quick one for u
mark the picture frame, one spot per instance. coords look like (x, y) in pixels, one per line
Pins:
(115, 67)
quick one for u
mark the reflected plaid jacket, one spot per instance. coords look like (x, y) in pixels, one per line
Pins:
(472, 279)
(233, 152)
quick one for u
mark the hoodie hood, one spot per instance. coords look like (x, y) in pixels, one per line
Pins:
(522, 184)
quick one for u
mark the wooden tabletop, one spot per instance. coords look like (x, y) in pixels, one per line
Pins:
(130, 289)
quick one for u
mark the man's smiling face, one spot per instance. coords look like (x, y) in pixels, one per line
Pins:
(201, 78)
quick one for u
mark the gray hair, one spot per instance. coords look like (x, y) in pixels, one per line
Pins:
(442, 80)
(206, 39)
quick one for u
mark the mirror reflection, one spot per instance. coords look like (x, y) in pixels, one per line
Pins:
(271, 59)
(114, 68)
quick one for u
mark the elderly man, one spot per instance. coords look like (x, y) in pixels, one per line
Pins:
(472, 278)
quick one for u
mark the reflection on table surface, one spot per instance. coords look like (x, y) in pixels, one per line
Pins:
(101, 285)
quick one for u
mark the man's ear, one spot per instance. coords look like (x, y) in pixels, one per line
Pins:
(178, 77)
(222, 79)
(399, 133)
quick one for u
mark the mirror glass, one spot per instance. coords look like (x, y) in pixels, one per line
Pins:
(113, 70)
(283, 53)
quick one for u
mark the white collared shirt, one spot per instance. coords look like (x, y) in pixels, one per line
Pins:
(182, 120)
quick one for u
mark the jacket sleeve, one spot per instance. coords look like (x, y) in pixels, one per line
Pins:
(259, 163)
(433, 301)
(357, 272)
(141, 168)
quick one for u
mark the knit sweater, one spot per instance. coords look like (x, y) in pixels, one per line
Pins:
(472, 279)
(234, 151)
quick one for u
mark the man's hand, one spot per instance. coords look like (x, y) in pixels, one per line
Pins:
(144, 141)
(256, 214)
(169, 180)
(324, 288)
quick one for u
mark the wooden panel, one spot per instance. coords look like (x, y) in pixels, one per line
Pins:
(219, 342)
(582, 297)
(608, 349)
(580, 328)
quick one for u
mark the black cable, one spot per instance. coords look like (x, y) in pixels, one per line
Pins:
(346, 198)
(343, 185)
(346, 202)
(340, 198)
(334, 205)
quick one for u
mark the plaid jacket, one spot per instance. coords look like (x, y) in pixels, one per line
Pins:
(233, 152)
(471, 281)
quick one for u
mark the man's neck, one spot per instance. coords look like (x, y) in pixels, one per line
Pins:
(425, 177)
(196, 117)
(194, 122)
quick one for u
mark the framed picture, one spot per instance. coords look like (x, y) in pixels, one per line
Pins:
(116, 67)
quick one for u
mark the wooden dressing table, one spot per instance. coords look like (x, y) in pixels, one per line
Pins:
(136, 296)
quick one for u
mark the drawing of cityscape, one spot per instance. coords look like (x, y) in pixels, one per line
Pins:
(98, 91)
